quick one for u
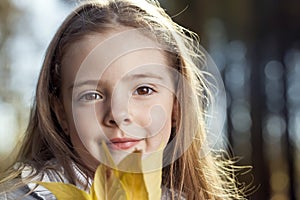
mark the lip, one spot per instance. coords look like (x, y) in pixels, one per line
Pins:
(123, 143)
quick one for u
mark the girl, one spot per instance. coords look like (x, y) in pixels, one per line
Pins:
(120, 71)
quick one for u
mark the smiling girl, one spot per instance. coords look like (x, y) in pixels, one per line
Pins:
(120, 71)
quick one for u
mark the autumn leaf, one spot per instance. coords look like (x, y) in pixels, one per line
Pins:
(126, 181)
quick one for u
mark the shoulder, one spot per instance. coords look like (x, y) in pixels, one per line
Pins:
(22, 185)
(23, 193)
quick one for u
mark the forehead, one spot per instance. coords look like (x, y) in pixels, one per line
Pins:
(121, 50)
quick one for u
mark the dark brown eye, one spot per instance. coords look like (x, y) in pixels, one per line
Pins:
(143, 91)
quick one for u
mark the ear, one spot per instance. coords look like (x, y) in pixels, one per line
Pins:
(175, 113)
(59, 111)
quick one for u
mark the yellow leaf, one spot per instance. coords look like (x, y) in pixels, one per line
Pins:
(64, 191)
(153, 177)
(107, 185)
(152, 171)
(132, 178)
(111, 183)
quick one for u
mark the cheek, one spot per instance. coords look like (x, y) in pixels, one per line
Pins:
(159, 119)
(156, 119)
(86, 135)
(85, 121)
(152, 115)
(85, 128)
(159, 139)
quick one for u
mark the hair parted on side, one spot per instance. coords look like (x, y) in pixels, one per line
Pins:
(191, 175)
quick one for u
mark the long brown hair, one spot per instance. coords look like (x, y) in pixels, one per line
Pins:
(195, 177)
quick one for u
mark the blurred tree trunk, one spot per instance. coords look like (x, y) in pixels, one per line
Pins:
(8, 17)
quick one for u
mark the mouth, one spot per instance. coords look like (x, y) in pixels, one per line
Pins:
(123, 143)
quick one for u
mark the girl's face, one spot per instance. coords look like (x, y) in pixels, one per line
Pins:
(117, 87)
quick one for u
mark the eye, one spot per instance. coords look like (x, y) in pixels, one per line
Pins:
(91, 96)
(143, 90)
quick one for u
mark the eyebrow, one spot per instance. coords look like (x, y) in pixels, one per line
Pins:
(144, 75)
(128, 77)
(83, 83)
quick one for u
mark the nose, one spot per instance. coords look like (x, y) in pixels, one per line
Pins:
(109, 121)
(117, 113)
(113, 119)
(117, 108)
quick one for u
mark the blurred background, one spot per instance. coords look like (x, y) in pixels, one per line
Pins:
(255, 44)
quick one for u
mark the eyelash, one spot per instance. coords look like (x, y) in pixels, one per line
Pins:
(150, 91)
(95, 96)
(90, 96)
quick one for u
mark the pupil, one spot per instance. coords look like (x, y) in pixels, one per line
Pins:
(143, 90)
(92, 97)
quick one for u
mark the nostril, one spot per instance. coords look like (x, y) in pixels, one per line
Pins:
(122, 118)
(112, 122)
(126, 121)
